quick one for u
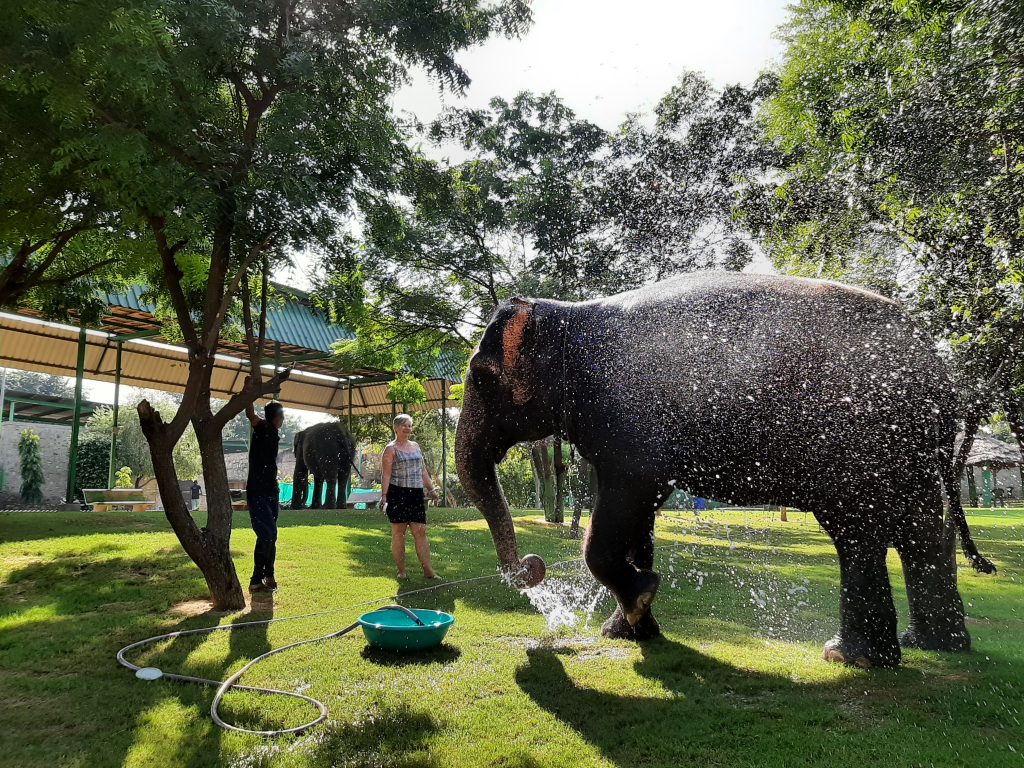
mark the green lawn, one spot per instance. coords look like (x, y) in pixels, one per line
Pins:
(736, 681)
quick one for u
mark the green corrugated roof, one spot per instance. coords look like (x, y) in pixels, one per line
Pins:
(291, 322)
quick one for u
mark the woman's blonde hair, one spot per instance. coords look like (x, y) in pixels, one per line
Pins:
(403, 418)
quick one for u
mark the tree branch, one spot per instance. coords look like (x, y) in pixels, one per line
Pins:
(252, 391)
(173, 277)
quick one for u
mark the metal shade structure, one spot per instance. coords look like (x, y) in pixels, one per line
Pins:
(29, 344)
(44, 409)
(126, 347)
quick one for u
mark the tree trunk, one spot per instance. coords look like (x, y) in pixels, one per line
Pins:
(537, 464)
(210, 547)
(544, 472)
(972, 487)
(583, 492)
(558, 515)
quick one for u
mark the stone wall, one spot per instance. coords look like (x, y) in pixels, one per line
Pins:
(54, 444)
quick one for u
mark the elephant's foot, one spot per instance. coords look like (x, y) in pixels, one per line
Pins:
(647, 589)
(956, 639)
(860, 654)
(617, 627)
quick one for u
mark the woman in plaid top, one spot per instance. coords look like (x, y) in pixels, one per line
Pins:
(403, 478)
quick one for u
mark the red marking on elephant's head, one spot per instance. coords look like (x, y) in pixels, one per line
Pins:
(512, 346)
(512, 339)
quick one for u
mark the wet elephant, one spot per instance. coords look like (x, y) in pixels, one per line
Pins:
(327, 450)
(744, 388)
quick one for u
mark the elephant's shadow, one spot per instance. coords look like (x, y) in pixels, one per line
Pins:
(704, 711)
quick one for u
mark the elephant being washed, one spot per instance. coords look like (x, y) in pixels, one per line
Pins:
(746, 388)
(326, 450)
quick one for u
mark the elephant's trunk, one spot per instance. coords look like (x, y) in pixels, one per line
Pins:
(475, 457)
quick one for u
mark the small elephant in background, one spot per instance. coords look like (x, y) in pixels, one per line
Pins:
(327, 450)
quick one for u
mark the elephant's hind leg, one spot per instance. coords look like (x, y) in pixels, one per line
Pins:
(867, 635)
(929, 569)
(619, 552)
(318, 490)
(331, 502)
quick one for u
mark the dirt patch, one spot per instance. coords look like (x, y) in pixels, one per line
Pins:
(196, 607)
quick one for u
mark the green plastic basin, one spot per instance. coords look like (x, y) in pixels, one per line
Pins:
(397, 631)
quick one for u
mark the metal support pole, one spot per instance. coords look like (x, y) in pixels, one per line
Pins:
(277, 363)
(3, 394)
(73, 453)
(115, 428)
(444, 442)
(350, 405)
(348, 482)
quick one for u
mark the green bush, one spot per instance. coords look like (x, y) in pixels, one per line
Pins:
(123, 478)
(31, 468)
(516, 475)
(93, 464)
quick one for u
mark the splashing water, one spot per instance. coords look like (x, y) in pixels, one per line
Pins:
(568, 598)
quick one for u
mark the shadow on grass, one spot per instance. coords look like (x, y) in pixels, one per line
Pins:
(701, 698)
(443, 654)
(384, 736)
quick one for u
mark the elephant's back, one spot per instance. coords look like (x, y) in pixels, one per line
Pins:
(720, 365)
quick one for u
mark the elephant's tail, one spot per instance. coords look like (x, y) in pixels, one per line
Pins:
(952, 467)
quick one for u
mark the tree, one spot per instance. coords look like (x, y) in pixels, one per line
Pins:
(901, 124)
(671, 186)
(93, 463)
(224, 134)
(133, 448)
(39, 383)
(439, 255)
(31, 468)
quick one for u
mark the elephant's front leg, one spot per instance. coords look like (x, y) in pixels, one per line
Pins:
(619, 551)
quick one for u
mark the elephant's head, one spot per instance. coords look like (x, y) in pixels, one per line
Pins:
(512, 393)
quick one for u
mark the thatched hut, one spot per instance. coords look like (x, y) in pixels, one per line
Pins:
(997, 464)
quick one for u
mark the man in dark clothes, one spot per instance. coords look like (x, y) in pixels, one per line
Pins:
(261, 493)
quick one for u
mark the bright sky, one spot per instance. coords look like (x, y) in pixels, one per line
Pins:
(605, 58)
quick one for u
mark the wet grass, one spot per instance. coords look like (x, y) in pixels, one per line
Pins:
(747, 602)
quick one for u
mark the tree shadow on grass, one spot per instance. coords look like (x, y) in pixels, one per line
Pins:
(384, 736)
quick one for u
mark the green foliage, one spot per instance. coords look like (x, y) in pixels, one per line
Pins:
(31, 467)
(40, 383)
(123, 478)
(903, 129)
(132, 446)
(516, 475)
(672, 186)
(406, 390)
(93, 463)
(439, 256)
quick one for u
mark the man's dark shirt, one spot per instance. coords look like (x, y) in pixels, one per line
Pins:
(263, 460)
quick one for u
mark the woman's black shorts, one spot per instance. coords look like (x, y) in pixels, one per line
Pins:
(406, 505)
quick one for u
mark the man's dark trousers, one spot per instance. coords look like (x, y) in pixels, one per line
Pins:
(263, 516)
